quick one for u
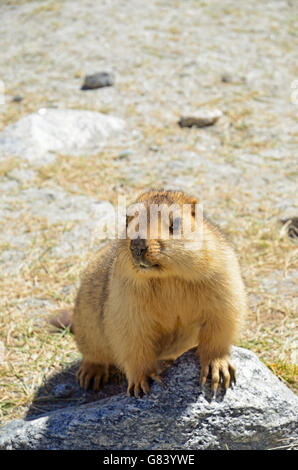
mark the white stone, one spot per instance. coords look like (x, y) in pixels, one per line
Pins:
(201, 118)
(39, 136)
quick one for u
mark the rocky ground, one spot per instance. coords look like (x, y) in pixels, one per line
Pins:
(169, 58)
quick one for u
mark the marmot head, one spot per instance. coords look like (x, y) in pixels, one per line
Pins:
(164, 228)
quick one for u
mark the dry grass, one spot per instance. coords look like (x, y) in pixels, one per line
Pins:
(45, 5)
(7, 166)
(30, 352)
(272, 321)
(93, 176)
(31, 355)
(50, 7)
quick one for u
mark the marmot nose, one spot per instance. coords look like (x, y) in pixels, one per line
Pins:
(138, 246)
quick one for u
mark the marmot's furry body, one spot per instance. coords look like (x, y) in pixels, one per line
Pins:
(146, 300)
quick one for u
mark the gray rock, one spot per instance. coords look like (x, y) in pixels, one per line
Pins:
(98, 80)
(39, 136)
(201, 118)
(260, 412)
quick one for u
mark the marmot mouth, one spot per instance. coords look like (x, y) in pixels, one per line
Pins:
(148, 266)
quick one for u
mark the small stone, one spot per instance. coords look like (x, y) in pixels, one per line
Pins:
(17, 99)
(98, 80)
(124, 154)
(227, 78)
(230, 78)
(201, 118)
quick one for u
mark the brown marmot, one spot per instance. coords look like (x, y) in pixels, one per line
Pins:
(147, 299)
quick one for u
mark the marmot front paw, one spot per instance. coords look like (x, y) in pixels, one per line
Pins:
(89, 371)
(222, 371)
(141, 384)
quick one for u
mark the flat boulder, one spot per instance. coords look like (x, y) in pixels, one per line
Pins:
(39, 136)
(260, 412)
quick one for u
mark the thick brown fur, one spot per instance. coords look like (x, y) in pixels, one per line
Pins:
(134, 314)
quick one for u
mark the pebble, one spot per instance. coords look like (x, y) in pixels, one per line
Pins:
(98, 80)
(124, 154)
(17, 99)
(201, 118)
(227, 78)
(230, 78)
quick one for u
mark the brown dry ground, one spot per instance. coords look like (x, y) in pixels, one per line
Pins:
(168, 57)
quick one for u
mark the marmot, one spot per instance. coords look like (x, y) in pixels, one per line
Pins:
(147, 299)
